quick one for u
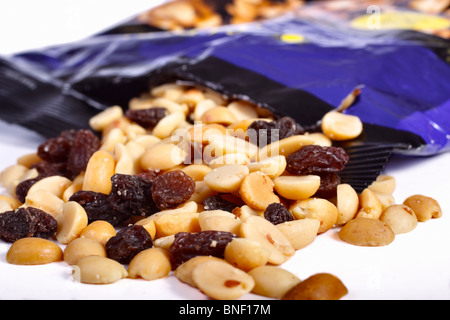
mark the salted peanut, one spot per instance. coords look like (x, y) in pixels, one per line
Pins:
(202, 107)
(339, 126)
(33, 251)
(149, 225)
(71, 222)
(120, 124)
(383, 184)
(83, 247)
(184, 271)
(99, 230)
(170, 223)
(319, 139)
(367, 232)
(272, 166)
(227, 178)
(284, 147)
(321, 286)
(105, 117)
(171, 106)
(229, 158)
(169, 91)
(316, 208)
(145, 141)
(424, 207)
(386, 199)
(54, 184)
(400, 218)
(201, 132)
(221, 281)
(71, 190)
(134, 130)
(150, 264)
(219, 114)
(300, 233)
(240, 125)
(246, 254)
(245, 211)
(99, 170)
(219, 220)
(347, 203)
(242, 110)
(202, 191)
(164, 242)
(370, 205)
(124, 162)
(272, 281)
(191, 97)
(297, 187)
(11, 176)
(11, 201)
(110, 139)
(221, 145)
(28, 160)
(5, 206)
(46, 201)
(168, 124)
(196, 171)
(257, 191)
(162, 157)
(99, 270)
(259, 229)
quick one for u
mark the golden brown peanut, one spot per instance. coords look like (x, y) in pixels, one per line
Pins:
(245, 211)
(272, 166)
(171, 91)
(124, 162)
(220, 114)
(272, 281)
(316, 208)
(5, 206)
(202, 192)
(201, 132)
(242, 110)
(172, 223)
(319, 139)
(224, 144)
(338, 126)
(367, 232)
(13, 202)
(202, 107)
(229, 158)
(246, 254)
(424, 207)
(105, 117)
(46, 201)
(386, 199)
(219, 220)
(259, 229)
(383, 184)
(184, 271)
(71, 190)
(370, 205)
(196, 171)
(82, 247)
(168, 124)
(284, 147)
(149, 225)
(300, 233)
(71, 222)
(164, 242)
(257, 191)
(110, 139)
(54, 184)
(227, 178)
(33, 251)
(297, 187)
(150, 264)
(28, 160)
(11, 176)
(99, 171)
(400, 218)
(99, 230)
(321, 286)
(99, 270)
(221, 281)
(347, 203)
(162, 157)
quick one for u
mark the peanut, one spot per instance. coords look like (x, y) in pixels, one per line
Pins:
(33, 251)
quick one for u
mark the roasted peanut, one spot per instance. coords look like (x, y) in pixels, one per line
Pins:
(82, 247)
(150, 264)
(71, 222)
(370, 205)
(33, 251)
(168, 124)
(284, 147)
(184, 271)
(162, 157)
(99, 230)
(219, 220)
(99, 170)
(272, 166)
(257, 191)
(149, 225)
(46, 201)
(105, 117)
(219, 114)
(424, 207)
(227, 178)
(400, 218)
(383, 184)
(339, 126)
(300, 233)
(246, 254)
(367, 232)
(99, 270)
(242, 110)
(297, 187)
(54, 184)
(196, 171)
(272, 281)
(316, 208)
(347, 203)
(321, 286)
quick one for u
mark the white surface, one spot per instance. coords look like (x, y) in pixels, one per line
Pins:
(415, 266)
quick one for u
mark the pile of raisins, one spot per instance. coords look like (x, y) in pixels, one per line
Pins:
(262, 132)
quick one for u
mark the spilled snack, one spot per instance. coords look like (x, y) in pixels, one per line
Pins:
(185, 173)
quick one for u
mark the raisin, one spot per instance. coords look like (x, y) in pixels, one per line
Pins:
(206, 243)
(148, 175)
(146, 118)
(57, 149)
(328, 185)
(127, 243)
(217, 202)
(172, 189)
(262, 132)
(131, 194)
(85, 143)
(316, 159)
(98, 207)
(277, 213)
(26, 222)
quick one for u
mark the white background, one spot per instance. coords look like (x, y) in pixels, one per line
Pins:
(415, 266)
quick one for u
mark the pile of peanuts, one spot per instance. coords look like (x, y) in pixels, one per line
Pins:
(229, 164)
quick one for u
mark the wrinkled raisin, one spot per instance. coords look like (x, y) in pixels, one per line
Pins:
(172, 189)
(206, 243)
(131, 194)
(57, 149)
(262, 132)
(127, 243)
(219, 202)
(97, 207)
(277, 213)
(316, 159)
(146, 118)
(26, 222)
(85, 143)
(328, 185)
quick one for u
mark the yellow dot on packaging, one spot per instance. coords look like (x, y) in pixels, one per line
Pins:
(292, 38)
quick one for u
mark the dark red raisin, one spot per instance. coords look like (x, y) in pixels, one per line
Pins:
(217, 202)
(288, 127)
(85, 143)
(206, 243)
(172, 189)
(328, 185)
(127, 243)
(131, 194)
(316, 159)
(146, 118)
(26, 222)
(57, 149)
(277, 213)
(262, 132)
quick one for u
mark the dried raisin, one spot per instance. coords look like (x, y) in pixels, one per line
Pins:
(316, 159)
(277, 213)
(328, 185)
(85, 143)
(127, 243)
(146, 118)
(262, 132)
(172, 189)
(57, 149)
(26, 222)
(206, 243)
(217, 202)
